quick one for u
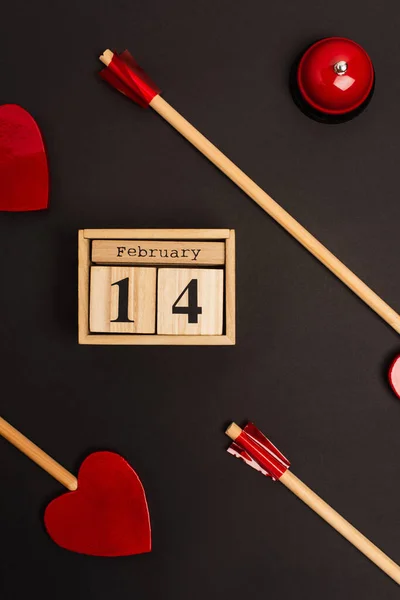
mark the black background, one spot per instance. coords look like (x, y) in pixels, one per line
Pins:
(311, 359)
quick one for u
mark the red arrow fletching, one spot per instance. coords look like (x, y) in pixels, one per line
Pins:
(124, 74)
(258, 452)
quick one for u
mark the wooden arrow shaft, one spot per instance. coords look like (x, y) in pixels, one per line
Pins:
(336, 521)
(276, 211)
(37, 455)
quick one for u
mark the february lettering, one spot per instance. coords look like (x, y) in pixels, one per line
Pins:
(141, 252)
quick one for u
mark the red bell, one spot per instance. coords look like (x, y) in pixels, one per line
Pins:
(334, 80)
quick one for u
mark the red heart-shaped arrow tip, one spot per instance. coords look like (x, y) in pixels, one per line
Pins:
(394, 376)
(24, 177)
(107, 515)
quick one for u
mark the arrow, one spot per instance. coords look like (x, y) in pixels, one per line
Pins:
(105, 512)
(257, 451)
(123, 73)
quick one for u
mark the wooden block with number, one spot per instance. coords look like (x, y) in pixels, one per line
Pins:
(122, 299)
(190, 301)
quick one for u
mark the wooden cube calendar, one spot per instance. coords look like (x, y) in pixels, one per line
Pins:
(156, 286)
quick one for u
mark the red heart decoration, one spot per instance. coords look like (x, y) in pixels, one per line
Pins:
(24, 176)
(394, 376)
(107, 515)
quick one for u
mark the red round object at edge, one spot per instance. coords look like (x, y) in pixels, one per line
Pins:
(324, 89)
(394, 376)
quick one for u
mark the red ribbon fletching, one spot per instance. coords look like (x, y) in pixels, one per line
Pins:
(124, 74)
(258, 452)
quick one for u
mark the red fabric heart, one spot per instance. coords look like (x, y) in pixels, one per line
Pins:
(394, 376)
(107, 515)
(24, 177)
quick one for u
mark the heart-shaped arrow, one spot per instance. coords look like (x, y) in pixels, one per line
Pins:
(104, 514)
(24, 177)
(107, 515)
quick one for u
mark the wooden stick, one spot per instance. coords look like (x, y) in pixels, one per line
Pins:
(342, 526)
(335, 520)
(276, 212)
(271, 207)
(37, 455)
